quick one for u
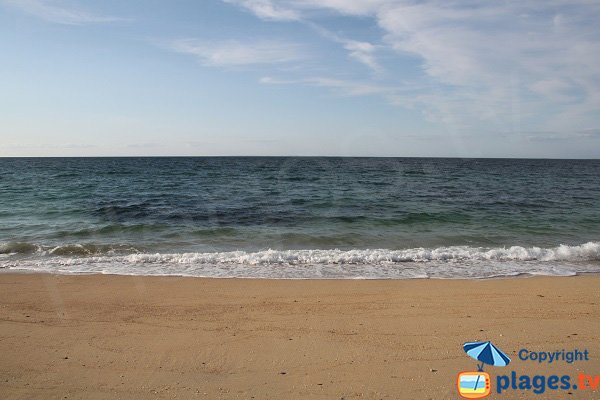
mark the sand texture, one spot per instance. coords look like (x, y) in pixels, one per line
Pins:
(115, 337)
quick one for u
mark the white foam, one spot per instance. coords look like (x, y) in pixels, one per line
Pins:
(442, 262)
(587, 251)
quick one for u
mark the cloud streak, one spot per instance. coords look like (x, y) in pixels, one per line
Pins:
(499, 63)
(266, 9)
(55, 12)
(345, 87)
(361, 51)
(236, 53)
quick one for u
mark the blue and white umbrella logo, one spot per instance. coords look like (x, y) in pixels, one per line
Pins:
(486, 353)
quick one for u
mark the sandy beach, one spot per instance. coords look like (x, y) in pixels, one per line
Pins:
(119, 337)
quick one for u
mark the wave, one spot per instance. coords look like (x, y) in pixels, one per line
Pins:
(18, 248)
(442, 262)
(86, 249)
(585, 252)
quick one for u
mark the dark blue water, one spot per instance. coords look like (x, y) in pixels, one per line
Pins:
(301, 217)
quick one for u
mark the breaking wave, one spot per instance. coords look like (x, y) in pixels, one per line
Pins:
(441, 262)
(585, 252)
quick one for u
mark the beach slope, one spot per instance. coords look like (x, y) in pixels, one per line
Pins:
(127, 337)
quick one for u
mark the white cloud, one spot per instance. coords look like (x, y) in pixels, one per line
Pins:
(266, 9)
(60, 13)
(236, 53)
(297, 9)
(504, 62)
(513, 59)
(361, 51)
(345, 7)
(269, 80)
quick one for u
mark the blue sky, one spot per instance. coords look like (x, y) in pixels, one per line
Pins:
(300, 77)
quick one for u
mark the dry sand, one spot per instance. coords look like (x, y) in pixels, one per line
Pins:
(112, 337)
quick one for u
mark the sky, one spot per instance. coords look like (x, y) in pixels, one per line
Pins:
(406, 78)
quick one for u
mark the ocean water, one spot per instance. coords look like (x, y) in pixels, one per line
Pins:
(295, 217)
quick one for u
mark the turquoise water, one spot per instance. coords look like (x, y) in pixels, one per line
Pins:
(300, 217)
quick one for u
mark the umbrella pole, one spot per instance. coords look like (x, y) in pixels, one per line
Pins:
(479, 369)
(476, 383)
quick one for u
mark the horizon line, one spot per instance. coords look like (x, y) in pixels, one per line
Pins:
(306, 156)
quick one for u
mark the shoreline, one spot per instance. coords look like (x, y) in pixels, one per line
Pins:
(138, 337)
(521, 275)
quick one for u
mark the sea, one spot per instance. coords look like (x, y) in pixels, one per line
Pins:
(300, 217)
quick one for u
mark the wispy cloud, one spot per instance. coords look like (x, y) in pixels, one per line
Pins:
(267, 9)
(500, 59)
(351, 88)
(481, 62)
(269, 80)
(345, 7)
(237, 53)
(361, 51)
(59, 12)
(345, 87)
(544, 136)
